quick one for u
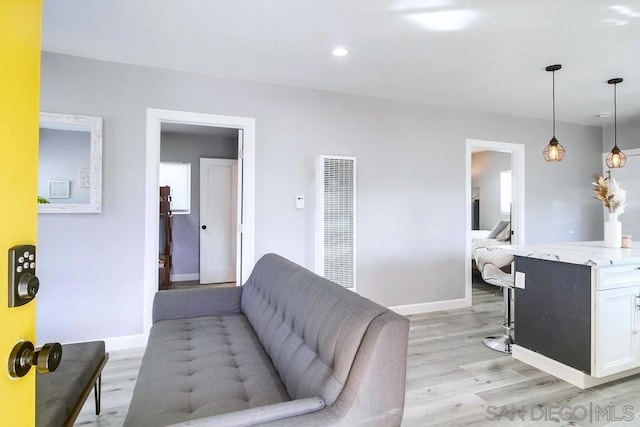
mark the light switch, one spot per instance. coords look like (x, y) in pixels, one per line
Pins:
(519, 280)
(299, 202)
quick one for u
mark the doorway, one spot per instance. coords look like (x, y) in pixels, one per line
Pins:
(198, 240)
(245, 235)
(510, 210)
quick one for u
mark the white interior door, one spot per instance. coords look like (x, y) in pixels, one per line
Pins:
(218, 220)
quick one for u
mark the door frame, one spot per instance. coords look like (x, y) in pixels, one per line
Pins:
(246, 191)
(517, 152)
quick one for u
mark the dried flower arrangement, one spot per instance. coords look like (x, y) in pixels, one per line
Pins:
(610, 194)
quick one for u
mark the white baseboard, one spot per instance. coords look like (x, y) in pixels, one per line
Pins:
(428, 307)
(185, 277)
(125, 343)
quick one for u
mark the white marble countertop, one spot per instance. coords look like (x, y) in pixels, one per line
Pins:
(586, 253)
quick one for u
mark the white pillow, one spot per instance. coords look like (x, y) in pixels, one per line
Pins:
(500, 225)
(505, 234)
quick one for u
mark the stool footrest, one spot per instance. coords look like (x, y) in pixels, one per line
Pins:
(502, 344)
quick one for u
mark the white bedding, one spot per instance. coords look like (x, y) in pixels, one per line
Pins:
(479, 239)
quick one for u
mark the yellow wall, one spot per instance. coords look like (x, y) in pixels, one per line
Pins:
(20, 26)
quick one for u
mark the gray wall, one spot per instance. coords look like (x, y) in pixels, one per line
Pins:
(176, 147)
(62, 153)
(485, 175)
(628, 136)
(411, 186)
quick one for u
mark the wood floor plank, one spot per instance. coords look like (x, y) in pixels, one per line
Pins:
(452, 378)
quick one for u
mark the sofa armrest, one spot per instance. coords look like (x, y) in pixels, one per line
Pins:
(259, 415)
(373, 395)
(185, 303)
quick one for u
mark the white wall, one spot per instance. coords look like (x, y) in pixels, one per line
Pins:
(411, 187)
(486, 167)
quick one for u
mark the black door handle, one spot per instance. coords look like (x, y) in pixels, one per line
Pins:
(204, 227)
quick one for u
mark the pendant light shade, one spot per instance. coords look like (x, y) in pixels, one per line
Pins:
(616, 158)
(553, 152)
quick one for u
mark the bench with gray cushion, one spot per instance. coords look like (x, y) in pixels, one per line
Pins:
(288, 348)
(61, 394)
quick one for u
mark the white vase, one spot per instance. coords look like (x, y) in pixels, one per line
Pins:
(613, 232)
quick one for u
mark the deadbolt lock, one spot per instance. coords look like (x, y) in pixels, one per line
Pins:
(23, 283)
(24, 356)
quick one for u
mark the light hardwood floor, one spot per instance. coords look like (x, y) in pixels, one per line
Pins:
(452, 380)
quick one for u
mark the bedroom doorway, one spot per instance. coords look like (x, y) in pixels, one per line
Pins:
(244, 127)
(495, 200)
(198, 241)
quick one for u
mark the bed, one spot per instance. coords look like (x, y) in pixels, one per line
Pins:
(500, 234)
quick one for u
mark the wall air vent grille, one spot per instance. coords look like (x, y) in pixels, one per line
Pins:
(336, 244)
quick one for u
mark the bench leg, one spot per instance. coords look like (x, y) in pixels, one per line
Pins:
(97, 389)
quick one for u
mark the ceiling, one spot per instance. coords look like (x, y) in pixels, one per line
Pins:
(486, 55)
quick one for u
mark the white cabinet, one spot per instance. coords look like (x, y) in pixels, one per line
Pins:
(617, 305)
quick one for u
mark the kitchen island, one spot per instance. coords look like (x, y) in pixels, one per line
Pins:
(577, 310)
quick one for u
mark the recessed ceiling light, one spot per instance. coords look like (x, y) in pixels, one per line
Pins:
(340, 51)
(444, 20)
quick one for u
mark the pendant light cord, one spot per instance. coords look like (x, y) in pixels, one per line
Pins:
(615, 115)
(553, 97)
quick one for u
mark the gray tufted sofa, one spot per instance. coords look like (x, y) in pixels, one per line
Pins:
(288, 348)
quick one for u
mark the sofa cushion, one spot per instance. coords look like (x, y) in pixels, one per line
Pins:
(310, 327)
(199, 367)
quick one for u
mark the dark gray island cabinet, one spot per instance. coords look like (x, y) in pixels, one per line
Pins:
(577, 310)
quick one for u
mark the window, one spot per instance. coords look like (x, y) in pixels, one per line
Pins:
(505, 192)
(178, 177)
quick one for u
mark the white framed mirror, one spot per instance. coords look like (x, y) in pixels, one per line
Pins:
(70, 164)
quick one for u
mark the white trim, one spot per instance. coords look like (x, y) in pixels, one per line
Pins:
(125, 342)
(120, 343)
(239, 201)
(429, 307)
(562, 371)
(154, 119)
(319, 229)
(185, 277)
(518, 197)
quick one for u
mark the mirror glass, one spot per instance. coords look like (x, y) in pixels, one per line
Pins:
(70, 164)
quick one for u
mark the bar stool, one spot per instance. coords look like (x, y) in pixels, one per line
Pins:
(490, 263)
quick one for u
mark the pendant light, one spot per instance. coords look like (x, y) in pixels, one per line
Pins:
(616, 158)
(553, 152)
